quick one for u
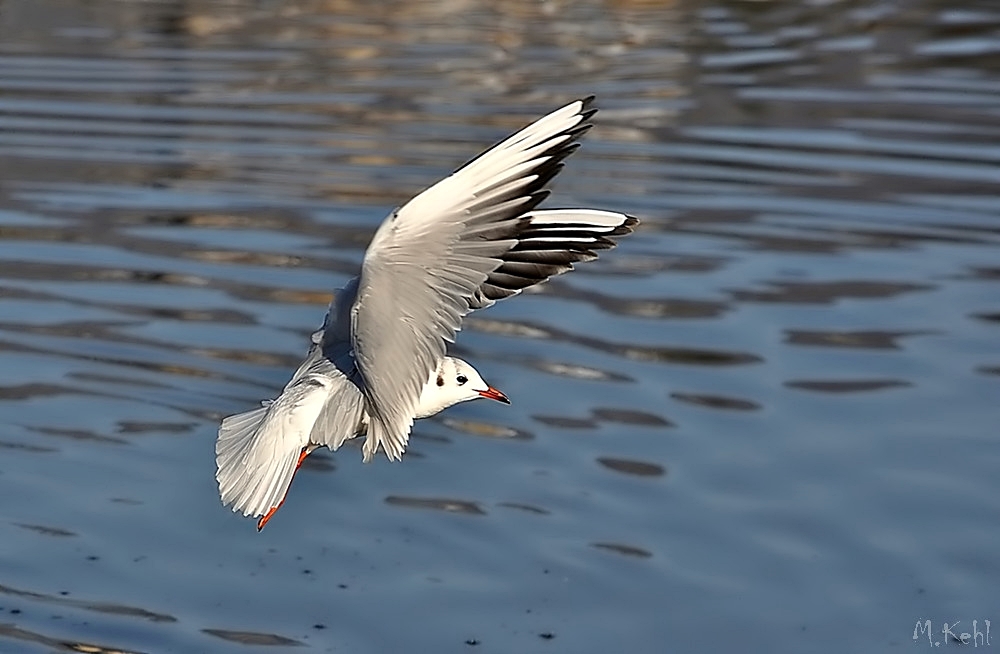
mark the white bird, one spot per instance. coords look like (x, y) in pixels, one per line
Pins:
(378, 363)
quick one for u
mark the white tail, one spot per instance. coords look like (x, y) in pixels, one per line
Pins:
(250, 478)
(257, 452)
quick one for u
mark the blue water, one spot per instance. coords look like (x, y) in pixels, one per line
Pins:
(767, 422)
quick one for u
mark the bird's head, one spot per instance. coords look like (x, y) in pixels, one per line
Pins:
(454, 381)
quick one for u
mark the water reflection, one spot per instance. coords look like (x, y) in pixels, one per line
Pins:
(184, 185)
(26, 636)
(78, 435)
(626, 550)
(629, 467)
(990, 317)
(528, 508)
(846, 385)
(604, 414)
(566, 422)
(438, 504)
(869, 339)
(47, 531)
(716, 401)
(641, 308)
(253, 638)
(574, 370)
(128, 427)
(630, 417)
(27, 447)
(92, 606)
(475, 428)
(657, 354)
(827, 292)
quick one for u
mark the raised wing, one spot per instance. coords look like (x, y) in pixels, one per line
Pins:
(439, 257)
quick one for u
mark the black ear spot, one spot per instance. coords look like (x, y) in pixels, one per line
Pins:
(440, 379)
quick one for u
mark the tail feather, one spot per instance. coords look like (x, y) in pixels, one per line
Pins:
(257, 452)
(235, 442)
(253, 475)
(392, 445)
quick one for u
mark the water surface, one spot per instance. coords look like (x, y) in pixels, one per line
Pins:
(766, 422)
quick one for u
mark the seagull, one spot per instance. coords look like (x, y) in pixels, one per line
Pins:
(379, 361)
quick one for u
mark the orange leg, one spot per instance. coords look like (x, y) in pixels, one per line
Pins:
(267, 516)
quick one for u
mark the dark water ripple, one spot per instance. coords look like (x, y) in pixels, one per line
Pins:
(96, 607)
(870, 339)
(627, 550)
(784, 381)
(846, 385)
(438, 504)
(716, 401)
(628, 467)
(253, 638)
(12, 633)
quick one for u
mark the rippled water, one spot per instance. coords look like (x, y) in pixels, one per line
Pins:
(767, 422)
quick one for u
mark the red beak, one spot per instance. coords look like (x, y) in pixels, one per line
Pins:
(494, 394)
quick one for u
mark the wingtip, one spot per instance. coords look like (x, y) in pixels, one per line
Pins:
(586, 112)
(627, 227)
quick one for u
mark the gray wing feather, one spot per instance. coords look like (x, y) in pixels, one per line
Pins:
(343, 414)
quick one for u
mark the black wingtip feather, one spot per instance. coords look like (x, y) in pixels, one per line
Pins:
(580, 129)
(546, 174)
(626, 227)
(585, 113)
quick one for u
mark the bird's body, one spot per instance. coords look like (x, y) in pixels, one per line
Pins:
(379, 361)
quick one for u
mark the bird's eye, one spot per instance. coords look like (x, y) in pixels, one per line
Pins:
(461, 379)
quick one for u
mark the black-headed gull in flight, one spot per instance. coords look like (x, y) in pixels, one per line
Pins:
(378, 363)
